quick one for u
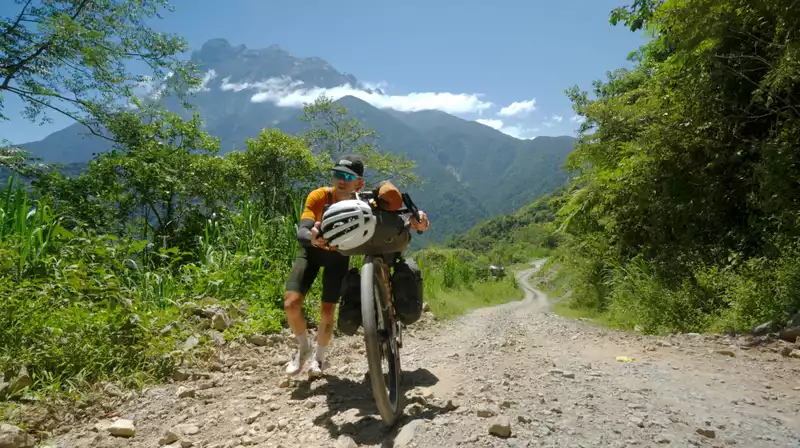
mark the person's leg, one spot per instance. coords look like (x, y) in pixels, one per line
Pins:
(304, 271)
(332, 275)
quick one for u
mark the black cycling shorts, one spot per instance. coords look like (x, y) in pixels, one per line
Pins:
(306, 267)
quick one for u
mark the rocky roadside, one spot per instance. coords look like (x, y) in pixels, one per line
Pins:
(513, 375)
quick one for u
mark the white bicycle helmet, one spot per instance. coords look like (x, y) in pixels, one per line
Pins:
(348, 224)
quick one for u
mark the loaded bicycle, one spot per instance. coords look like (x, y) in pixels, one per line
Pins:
(361, 227)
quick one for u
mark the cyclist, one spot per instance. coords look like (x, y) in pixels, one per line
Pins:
(314, 254)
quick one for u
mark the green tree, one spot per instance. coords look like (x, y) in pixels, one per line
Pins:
(688, 163)
(164, 174)
(637, 15)
(73, 57)
(274, 166)
(334, 133)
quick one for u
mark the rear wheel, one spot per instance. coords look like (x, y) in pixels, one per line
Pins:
(381, 342)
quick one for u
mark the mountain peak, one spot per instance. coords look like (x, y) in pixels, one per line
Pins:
(216, 50)
(240, 64)
(214, 44)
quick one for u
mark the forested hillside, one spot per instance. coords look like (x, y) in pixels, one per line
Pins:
(684, 212)
(518, 237)
(468, 171)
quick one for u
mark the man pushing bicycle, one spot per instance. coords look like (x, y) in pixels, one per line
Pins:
(317, 252)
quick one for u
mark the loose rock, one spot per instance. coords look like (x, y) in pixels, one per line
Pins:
(14, 437)
(180, 375)
(220, 321)
(500, 427)
(252, 417)
(122, 428)
(258, 339)
(486, 412)
(345, 442)
(707, 432)
(170, 436)
(406, 435)
(185, 392)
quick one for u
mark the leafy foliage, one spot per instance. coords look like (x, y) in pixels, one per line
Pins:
(456, 281)
(275, 167)
(98, 267)
(71, 57)
(684, 216)
(335, 134)
(516, 238)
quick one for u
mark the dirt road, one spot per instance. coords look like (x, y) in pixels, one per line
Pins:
(515, 368)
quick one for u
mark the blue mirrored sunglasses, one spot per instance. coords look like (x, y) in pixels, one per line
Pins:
(345, 176)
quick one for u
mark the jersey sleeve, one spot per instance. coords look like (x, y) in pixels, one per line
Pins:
(315, 202)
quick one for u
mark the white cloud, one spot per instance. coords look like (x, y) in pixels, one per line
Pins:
(494, 124)
(373, 85)
(515, 131)
(520, 132)
(152, 88)
(148, 86)
(518, 108)
(203, 87)
(577, 119)
(285, 92)
(550, 122)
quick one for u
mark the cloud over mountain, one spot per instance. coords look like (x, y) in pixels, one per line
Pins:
(516, 131)
(518, 108)
(285, 92)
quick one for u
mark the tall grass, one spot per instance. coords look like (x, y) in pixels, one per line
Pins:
(84, 307)
(456, 281)
(28, 227)
(732, 298)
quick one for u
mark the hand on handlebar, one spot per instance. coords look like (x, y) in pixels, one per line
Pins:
(423, 223)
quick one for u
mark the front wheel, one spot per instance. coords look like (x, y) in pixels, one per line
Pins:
(381, 343)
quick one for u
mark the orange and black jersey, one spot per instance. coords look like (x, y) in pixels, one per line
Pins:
(312, 212)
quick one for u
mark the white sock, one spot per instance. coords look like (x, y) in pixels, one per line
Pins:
(302, 340)
(320, 355)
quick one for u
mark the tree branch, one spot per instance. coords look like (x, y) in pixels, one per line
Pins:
(29, 96)
(16, 67)
(19, 17)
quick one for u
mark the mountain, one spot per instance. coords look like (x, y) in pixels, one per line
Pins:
(472, 171)
(496, 168)
(514, 237)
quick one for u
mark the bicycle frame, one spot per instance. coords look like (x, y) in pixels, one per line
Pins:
(379, 260)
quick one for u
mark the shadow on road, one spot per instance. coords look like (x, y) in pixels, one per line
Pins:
(343, 394)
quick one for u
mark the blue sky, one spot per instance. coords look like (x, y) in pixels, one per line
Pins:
(503, 52)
